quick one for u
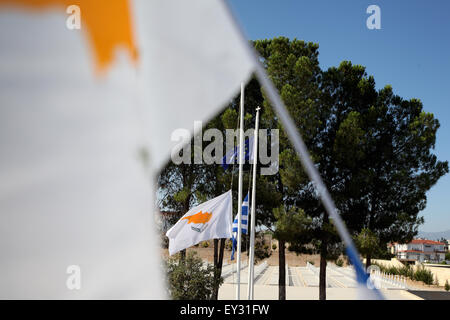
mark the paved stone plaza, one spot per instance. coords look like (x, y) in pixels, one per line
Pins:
(301, 283)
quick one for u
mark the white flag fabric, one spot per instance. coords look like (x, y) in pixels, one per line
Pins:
(86, 119)
(194, 47)
(210, 220)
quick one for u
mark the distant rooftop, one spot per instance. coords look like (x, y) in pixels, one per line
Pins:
(425, 241)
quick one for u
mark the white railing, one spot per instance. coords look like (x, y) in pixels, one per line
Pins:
(384, 280)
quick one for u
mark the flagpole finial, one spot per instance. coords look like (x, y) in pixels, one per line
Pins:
(258, 108)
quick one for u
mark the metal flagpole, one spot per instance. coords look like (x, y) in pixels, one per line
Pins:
(251, 275)
(241, 164)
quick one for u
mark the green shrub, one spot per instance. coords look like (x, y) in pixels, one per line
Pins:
(189, 280)
(262, 250)
(406, 271)
(274, 246)
(228, 244)
(424, 275)
(261, 253)
(447, 285)
(339, 262)
(205, 244)
(392, 270)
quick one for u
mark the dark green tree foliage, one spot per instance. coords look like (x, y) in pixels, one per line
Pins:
(372, 148)
(367, 243)
(379, 162)
(189, 280)
(294, 69)
(290, 224)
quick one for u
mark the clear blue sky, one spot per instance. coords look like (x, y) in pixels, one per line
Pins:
(411, 52)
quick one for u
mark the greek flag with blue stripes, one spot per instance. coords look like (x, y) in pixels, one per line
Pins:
(244, 225)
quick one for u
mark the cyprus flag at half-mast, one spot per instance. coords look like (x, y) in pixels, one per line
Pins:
(210, 220)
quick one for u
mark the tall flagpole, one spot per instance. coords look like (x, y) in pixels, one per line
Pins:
(241, 164)
(251, 274)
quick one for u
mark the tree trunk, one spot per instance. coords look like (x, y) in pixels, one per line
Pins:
(216, 269)
(368, 260)
(222, 248)
(216, 249)
(323, 273)
(183, 255)
(281, 271)
(218, 262)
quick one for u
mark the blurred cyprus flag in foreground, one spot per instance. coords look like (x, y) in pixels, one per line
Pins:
(77, 106)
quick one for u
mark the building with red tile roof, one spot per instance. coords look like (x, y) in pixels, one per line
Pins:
(422, 250)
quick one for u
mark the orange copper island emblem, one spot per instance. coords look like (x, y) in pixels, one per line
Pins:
(199, 217)
(107, 24)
